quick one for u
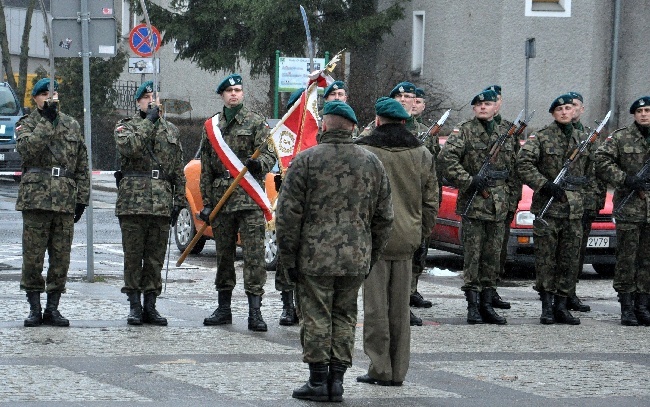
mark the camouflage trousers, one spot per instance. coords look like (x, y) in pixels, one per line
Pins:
(144, 242)
(632, 273)
(46, 231)
(504, 247)
(250, 225)
(557, 248)
(417, 269)
(328, 306)
(482, 247)
(386, 327)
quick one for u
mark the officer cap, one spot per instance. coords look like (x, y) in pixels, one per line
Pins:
(146, 87)
(565, 99)
(402, 87)
(334, 86)
(485, 96)
(496, 88)
(641, 102)
(578, 96)
(390, 108)
(294, 97)
(338, 108)
(419, 93)
(230, 80)
(43, 85)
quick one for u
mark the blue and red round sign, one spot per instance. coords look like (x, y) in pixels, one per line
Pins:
(139, 40)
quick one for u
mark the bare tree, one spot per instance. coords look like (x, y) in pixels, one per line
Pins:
(21, 86)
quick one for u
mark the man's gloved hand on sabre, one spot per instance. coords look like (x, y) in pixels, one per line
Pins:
(204, 215)
(50, 111)
(254, 167)
(478, 183)
(555, 191)
(78, 211)
(153, 113)
(634, 182)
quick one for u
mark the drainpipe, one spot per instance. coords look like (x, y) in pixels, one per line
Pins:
(614, 62)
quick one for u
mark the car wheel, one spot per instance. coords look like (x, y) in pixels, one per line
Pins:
(184, 232)
(605, 270)
(270, 250)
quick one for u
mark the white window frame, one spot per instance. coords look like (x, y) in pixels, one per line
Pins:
(417, 50)
(565, 11)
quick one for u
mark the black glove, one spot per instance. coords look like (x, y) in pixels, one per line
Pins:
(204, 215)
(174, 215)
(49, 111)
(292, 274)
(153, 113)
(277, 178)
(254, 167)
(78, 211)
(555, 191)
(634, 182)
(420, 255)
(478, 183)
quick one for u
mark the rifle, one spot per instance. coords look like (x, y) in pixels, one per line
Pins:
(642, 173)
(559, 179)
(435, 128)
(489, 160)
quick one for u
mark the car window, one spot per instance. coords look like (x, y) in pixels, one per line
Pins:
(8, 103)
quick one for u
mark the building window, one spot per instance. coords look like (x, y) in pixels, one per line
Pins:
(548, 8)
(417, 61)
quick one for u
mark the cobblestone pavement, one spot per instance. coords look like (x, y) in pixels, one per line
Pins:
(101, 361)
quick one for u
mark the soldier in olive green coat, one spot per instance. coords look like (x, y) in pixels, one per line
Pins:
(333, 220)
(244, 132)
(482, 200)
(54, 191)
(558, 237)
(151, 193)
(619, 161)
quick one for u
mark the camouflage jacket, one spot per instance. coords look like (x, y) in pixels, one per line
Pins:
(414, 187)
(624, 153)
(596, 191)
(461, 158)
(334, 213)
(139, 193)
(540, 160)
(246, 132)
(44, 146)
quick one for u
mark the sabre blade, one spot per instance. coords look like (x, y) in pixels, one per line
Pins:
(310, 46)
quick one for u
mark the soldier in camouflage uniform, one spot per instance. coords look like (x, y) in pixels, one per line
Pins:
(54, 191)
(150, 195)
(559, 235)
(244, 132)
(460, 160)
(333, 219)
(618, 161)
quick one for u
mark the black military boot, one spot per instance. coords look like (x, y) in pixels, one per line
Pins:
(627, 309)
(641, 309)
(497, 301)
(417, 300)
(135, 313)
(335, 380)
(473, 315)
(149, 313)
(222, 315)
(573, 303)
(288, 316)
(561, 314)
(547, 308)
(316, 387)
(487, 311)
(51, 315)
(415, 320)
(255, 321)
(34, 318)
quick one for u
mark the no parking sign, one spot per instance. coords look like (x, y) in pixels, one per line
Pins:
(139, 40)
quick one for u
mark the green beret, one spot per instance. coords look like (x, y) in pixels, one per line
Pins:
(578, 96)
(43, 85)
(338, 108)
(390, 108)
(641, 102)
(496, 88)
(230, 80)
(146, 87)
(565, 99)
(294, 97)
(485, 96)
(402, 87)
(334, 86)
(419, 93)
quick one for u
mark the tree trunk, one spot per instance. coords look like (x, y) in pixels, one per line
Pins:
(24, 53)
(4, 44)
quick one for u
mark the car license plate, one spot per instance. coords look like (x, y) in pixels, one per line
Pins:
(598, 241)
(2, 157)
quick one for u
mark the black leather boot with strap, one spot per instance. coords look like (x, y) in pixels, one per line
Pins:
(35, 318)
(223, 314)
(288, 316)
(316, 387)
(473, 315)
(51, 315)
(641, 309)
(627, 309)
(488, 314)
(255, 321)
(561, 313)
(135, 312)
(149, 313)
(547, 308)
(335, 380)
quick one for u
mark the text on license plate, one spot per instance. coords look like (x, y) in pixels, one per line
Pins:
(598, 241)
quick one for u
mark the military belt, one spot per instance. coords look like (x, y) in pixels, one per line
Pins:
(153, 174)
(54, 171)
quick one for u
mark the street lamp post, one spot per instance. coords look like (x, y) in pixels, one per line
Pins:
(529, 51)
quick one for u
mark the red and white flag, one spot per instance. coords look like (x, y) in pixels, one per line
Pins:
(235, 166)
